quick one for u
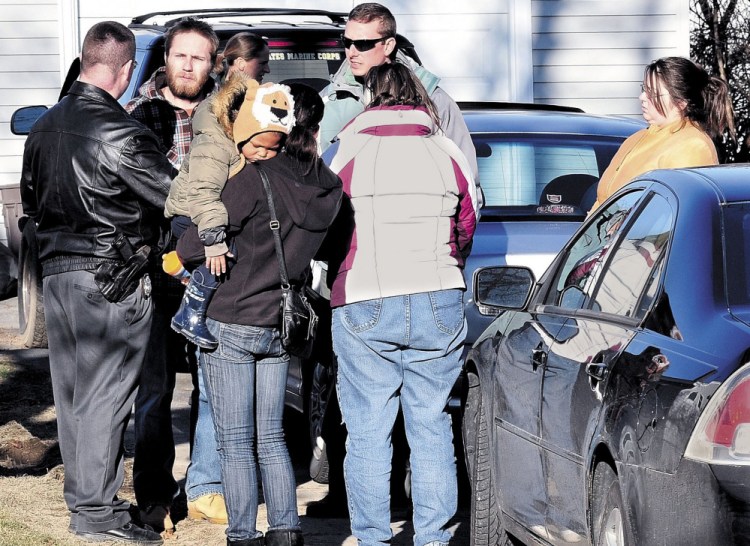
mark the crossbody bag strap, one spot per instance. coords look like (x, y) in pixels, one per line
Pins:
(275, 226)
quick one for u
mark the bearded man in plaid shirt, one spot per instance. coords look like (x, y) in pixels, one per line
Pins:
(166, 104)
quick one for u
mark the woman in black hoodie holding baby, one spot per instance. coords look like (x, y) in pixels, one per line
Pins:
(246, 375)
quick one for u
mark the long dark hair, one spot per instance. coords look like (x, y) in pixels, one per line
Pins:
(395, 84)
(705, 97)
(308, 111)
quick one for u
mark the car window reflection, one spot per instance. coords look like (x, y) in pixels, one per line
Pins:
(576, 277)
(634, 260)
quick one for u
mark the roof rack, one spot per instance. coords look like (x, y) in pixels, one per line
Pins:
(335, 17)
(491, 105)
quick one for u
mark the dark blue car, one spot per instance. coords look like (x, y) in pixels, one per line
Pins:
(609, 402)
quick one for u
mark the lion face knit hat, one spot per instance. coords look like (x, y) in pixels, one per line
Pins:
(266, 108)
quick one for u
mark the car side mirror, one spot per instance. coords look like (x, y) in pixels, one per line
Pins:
(24, 118)
(498, 288)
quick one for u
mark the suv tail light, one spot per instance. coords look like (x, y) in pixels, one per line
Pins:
(722, 435)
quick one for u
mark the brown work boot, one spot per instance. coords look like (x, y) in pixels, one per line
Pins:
(157, 517)
(209, 507)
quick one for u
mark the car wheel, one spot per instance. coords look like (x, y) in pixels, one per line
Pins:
(321, 386)
(610, 519)
(485, 528)
(30, 294)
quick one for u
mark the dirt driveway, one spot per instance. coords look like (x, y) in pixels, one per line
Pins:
(32, 510)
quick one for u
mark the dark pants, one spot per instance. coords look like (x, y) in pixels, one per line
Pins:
(166, 352)
(96, 351)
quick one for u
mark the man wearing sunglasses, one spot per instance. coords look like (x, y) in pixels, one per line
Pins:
(369, 40)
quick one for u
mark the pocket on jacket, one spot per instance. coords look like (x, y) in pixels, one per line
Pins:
(362, 315)
(448, 310)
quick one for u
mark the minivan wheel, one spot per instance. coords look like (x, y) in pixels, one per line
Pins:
(610, 520)
(30, 294)
(485, 528)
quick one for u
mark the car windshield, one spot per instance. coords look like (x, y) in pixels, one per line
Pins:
(736, 240)
(542, 176)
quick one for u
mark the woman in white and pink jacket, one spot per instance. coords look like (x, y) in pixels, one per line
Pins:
(397, 293)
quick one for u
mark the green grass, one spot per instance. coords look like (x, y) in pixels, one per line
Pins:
(7, 368)
(16, 533)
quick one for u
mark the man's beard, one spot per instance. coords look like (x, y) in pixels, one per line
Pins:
(186, 90)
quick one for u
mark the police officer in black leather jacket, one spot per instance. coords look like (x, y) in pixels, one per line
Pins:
(95, 181)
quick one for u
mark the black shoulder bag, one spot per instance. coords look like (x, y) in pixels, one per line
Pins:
(298, 320)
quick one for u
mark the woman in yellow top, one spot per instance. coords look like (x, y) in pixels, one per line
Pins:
(685, 109)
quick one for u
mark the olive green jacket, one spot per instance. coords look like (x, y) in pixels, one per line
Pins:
(213, 159)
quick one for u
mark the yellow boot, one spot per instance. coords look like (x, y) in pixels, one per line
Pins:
(209, 507)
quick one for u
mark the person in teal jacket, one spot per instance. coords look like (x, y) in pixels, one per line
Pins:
(369, 40)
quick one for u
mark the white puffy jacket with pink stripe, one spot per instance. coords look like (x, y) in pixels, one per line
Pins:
(414, 207)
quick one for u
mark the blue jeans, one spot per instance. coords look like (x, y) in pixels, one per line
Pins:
(402, 350)
(246, 382)
(204, 471)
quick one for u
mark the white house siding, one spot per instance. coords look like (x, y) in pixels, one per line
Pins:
(29, 73)
(481, 49)
(585, 53)
(591, 53)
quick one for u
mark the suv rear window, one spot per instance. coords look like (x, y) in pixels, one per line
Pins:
(542, 175)
(290, 61)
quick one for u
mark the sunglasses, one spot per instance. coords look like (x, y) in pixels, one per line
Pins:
(361, 45)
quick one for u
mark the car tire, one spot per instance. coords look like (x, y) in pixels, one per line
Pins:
(485, 527)
(611, 525)
(30, 294)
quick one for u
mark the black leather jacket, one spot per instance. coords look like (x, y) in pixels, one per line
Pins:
(91, 171)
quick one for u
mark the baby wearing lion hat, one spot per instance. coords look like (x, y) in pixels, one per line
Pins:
(243, 121)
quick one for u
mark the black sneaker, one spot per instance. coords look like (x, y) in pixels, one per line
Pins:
(127, 533)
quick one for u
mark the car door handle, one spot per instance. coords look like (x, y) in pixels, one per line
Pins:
(596, 370)
(538, 357)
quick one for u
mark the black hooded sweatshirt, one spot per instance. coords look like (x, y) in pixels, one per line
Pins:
(306, 205)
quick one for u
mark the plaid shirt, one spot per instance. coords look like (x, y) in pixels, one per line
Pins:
(174, 127)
